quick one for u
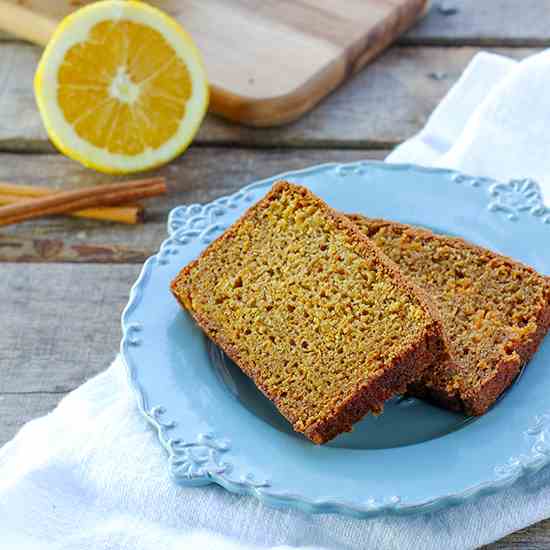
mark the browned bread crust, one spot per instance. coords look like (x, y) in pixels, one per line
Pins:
(343, 396)
(451, 384)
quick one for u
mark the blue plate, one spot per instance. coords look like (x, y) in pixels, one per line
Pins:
(217, 428)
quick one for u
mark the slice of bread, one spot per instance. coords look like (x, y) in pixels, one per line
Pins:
(495, 311)
(305, 305)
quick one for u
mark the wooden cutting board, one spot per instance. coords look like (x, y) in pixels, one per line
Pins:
(268, 61)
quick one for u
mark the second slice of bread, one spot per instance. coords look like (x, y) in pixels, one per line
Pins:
(495, 311)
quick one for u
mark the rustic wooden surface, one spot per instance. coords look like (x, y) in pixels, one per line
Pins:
(201, 175)
(484, 23)
(379, 107)
(54, 336)
(335, 39)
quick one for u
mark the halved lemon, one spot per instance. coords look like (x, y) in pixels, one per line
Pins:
(121, 87)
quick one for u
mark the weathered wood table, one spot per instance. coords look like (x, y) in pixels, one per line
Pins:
(64, 282)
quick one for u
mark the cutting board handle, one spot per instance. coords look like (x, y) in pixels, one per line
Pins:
(26, 24)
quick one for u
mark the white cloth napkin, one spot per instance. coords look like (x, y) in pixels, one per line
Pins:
(494, 122)
(91, 475)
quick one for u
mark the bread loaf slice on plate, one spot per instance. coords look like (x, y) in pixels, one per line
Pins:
(303, 302)
(495, 311)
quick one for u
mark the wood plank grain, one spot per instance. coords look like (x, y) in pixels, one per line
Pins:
(60, 323)
(381, 106)
(456, 23)
(249, 47)
(274, 85)
(535, 537)
(463, 22)
(201, 175)
(17, 409)
(483, 23)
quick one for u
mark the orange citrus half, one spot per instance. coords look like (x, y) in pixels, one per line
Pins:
(121, 87)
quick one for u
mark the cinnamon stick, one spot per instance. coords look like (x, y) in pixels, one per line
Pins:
(25, 190)
(80, 199)
(129, 214)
